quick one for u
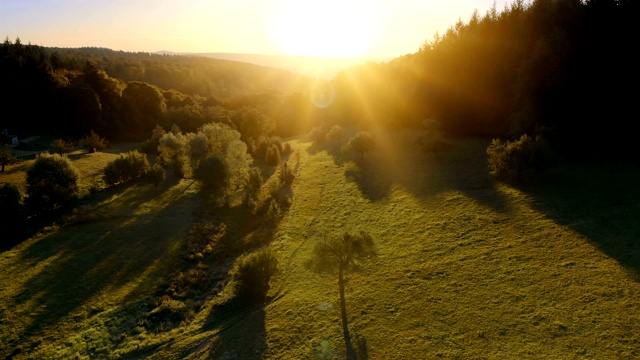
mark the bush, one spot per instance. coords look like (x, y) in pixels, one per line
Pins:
(519, 160)
(52, 181)
(253, 274)
(150, 146)
(125, 168)
(156, 175)
(286, 150)
(6, 156)
(11, 211)
(318, 134)
(61, 146)
(336, 134)
(273, 155)
(94, 142)
(212, 174)
(252, 186)
(172, 152)
(169, 313)
(286, 175)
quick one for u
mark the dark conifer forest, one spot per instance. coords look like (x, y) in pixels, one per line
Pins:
(562, 67)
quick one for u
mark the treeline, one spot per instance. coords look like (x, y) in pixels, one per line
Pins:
(123, 96)
(190, 75)
(560, 67)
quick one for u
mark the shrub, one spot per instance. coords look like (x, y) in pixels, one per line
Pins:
(172, 152)
(94, 142)
(519, 160)
(253, 273)
(150, 146)
(169, 313)
(156, 175)
(286, 175)
(273, 155)
(190, 283)
(286, 150)
(274, 212)
(125, 168)
(252, 186)
(61, 146)
(52, 181)
(318, 134)
(6, 156)
(212, 174)
(336, 134)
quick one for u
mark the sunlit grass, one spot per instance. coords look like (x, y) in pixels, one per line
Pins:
(466, 268)
(82, 288)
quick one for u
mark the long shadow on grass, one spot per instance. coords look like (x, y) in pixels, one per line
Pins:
(599, 201)
(84, 260)
(463, 168)
(240, 323)
(242, 331)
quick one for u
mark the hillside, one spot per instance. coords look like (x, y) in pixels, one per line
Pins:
(315, 67)
(465, 267)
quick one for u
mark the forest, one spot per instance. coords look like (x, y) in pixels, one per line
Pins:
(479, 191)
(560, 67)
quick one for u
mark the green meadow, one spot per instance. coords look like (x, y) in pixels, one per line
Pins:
(465, 267)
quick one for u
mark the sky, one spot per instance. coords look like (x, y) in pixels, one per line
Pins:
(332, 28)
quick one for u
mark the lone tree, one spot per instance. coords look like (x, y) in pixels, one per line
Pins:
(52, 181)
(362, 142)
(126, 167)
(6, 156)
(342, 254)
(61, 146)
(94, 142)
(433, 143)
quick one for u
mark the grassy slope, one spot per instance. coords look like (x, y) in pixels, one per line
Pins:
(466, 268)
(78, 289)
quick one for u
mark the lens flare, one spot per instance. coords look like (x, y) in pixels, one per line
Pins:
(322, 94)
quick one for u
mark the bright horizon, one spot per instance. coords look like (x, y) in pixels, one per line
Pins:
(332, 28)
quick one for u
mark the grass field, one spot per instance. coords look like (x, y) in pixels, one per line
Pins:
(465, 267)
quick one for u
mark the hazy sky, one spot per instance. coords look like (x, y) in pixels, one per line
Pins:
(378, 28)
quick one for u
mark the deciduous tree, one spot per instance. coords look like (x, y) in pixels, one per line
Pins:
(6, 156)
(362, 142)
(52, 181)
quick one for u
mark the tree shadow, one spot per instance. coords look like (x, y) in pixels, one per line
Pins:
(81, 261)
(373, 184)
(242, 332)
(332, 148)
(400, 160)
(599, 201)
(362, 349)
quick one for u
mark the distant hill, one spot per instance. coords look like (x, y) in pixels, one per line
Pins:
(321, 67)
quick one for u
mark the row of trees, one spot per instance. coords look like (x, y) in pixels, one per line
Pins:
(78, 90)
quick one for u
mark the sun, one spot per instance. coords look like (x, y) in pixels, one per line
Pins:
(329, 28)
